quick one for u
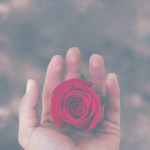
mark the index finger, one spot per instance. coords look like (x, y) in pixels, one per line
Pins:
(53, 79)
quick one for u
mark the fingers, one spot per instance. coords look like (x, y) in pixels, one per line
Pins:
(73, 63)
(97, 74)
(28, 116)
(53, 79)
(112, 106)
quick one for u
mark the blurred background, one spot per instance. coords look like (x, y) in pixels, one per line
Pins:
(32, 31)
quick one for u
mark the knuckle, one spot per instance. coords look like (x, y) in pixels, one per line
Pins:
(58, 68)
(114, 109)
(22, 102)
(73, 59)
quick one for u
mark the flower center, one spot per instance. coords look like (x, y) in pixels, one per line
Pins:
(77, 105)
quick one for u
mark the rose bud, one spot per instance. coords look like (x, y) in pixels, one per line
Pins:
(74, 102)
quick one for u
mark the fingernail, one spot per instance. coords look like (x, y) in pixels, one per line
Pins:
(29, 85)
(56, 57)
(114, 75)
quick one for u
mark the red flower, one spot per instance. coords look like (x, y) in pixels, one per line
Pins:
(74, 102)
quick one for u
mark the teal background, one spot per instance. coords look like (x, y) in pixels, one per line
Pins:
(32, 32)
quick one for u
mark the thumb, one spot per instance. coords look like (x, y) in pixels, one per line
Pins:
(28, 116)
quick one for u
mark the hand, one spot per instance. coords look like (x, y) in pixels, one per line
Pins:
(45, 135)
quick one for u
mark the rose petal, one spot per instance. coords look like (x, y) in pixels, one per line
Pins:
(55, 115)
(98, 112)
(78, 86)
(75, 94)
(65, 91)
(67, 83)
(82, 126)
(91, 115)
(61, 98)
(89, 83)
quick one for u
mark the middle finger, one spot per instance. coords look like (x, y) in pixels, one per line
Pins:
(72, 63)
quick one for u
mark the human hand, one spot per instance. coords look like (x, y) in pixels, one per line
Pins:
(46, 135)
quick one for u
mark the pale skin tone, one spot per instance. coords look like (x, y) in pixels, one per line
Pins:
(44, 135)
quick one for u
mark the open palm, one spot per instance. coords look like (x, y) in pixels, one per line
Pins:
(45, 135)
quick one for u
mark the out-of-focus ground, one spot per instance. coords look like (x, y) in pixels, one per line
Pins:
(31, 32)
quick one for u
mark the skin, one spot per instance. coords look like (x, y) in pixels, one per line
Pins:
(44, 135)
